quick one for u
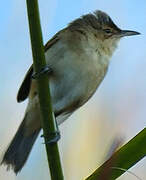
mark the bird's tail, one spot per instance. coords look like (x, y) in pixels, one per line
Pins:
(20, 147)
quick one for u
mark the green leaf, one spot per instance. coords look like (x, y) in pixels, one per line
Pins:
(124, 158)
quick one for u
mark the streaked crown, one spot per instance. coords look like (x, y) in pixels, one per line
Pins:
(101, 22)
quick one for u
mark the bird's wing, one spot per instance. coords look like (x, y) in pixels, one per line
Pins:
(26, 84)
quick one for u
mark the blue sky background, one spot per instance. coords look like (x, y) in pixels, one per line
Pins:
(119, 104)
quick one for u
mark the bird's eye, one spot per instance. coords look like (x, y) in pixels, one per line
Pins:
(108, 31)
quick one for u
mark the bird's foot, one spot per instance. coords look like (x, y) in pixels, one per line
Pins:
(55, 137)
(44, 70)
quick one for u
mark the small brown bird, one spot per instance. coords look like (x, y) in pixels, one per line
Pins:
(78, 58)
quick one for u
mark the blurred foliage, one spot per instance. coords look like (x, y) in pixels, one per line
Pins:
(124, 158)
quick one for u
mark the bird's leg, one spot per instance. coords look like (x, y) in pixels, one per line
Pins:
(55, 135)
(44, 70)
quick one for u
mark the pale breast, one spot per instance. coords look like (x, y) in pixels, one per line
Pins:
(76, 75)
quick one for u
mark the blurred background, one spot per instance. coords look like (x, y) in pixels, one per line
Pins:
(116, 113)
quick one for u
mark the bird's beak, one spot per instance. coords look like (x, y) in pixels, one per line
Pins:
(123, 33)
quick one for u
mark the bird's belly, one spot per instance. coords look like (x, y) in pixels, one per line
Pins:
(72, 89)
(76, 76)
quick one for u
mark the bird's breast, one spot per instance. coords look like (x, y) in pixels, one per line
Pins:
(76, 78)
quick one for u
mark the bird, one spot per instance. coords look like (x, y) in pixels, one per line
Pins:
(77, 59)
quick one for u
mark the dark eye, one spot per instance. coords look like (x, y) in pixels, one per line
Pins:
(108, 31)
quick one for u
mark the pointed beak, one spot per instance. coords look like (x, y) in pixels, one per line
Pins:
(128, 33)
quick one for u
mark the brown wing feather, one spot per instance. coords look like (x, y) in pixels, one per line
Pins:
(26, 84)
(51, 42)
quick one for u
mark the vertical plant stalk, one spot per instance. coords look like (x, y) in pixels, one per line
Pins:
(124, 158)
(48, 122)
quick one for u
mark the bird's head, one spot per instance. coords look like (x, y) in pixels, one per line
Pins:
(106, 32)
(107, 29)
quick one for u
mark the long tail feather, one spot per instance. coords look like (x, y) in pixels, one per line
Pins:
(19, 148)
